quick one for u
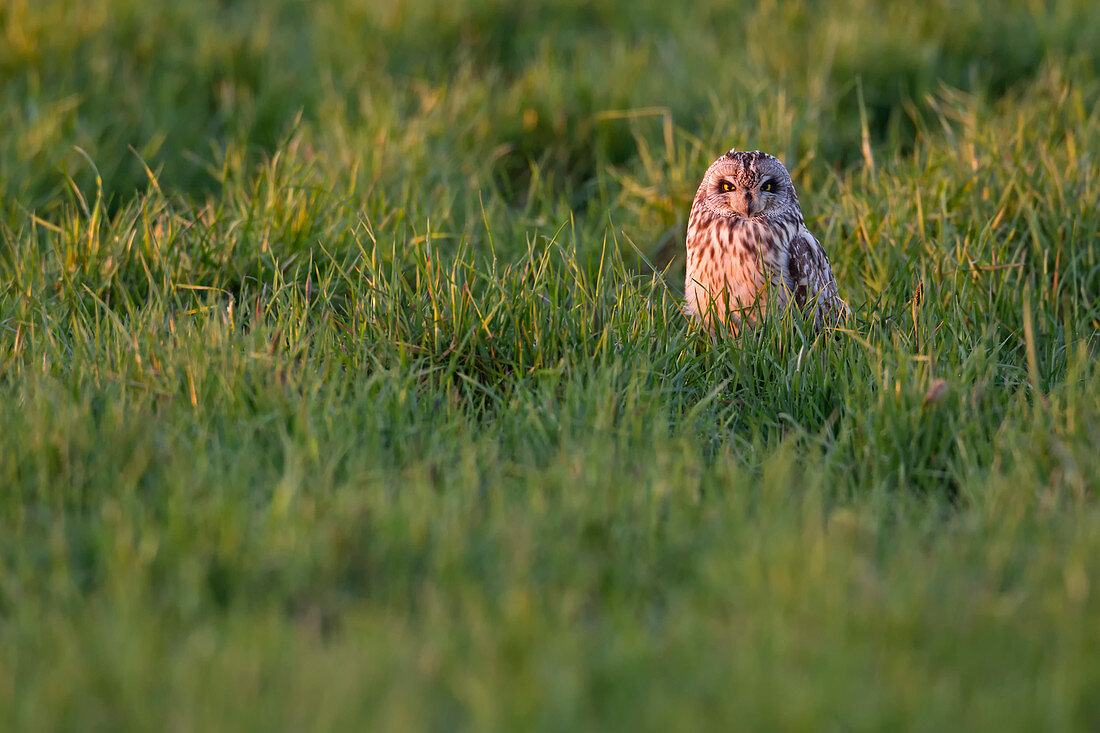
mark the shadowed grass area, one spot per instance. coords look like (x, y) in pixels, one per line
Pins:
(338, 388)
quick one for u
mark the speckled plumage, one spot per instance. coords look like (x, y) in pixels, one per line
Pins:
(746, 237)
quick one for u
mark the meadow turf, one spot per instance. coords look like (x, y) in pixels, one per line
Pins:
(344, 383)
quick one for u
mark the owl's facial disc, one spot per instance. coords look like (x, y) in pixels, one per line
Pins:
(741, 197)
(769, 193)
(750, 185)
(744, 201)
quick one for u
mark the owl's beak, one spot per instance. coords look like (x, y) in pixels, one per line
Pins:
(744, 203)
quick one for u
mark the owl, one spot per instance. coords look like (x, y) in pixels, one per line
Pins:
(748, 248)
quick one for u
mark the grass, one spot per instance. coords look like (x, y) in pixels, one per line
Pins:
(344, 385)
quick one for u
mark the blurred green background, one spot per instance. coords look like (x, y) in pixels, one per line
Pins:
(343, 382)
(449, 101)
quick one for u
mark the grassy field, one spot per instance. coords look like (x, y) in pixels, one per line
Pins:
(344, 385)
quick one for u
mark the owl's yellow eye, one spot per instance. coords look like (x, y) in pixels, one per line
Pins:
(726, 186)
(768, 187)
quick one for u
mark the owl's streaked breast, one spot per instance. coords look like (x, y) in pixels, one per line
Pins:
(731, 262)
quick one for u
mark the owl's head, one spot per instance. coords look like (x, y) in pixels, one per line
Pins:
(749, 185)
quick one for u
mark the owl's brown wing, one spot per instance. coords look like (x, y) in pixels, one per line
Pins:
(809, 277)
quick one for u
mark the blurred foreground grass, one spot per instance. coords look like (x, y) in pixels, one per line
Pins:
(336, 391)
